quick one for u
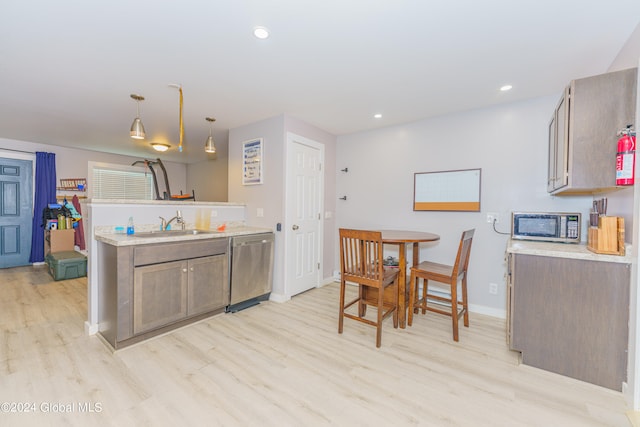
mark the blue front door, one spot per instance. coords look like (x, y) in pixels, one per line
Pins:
(16, 209)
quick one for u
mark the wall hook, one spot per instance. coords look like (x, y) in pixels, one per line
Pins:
(344, 170)
(343, 198)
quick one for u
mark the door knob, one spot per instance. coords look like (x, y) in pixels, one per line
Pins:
(295, 227)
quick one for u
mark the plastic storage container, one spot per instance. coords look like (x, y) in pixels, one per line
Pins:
(66, 265)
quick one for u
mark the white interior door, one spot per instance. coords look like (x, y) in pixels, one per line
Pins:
(303, 223)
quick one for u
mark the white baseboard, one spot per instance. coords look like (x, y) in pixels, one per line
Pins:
(276, 297)
(488, 311)
(90, 329)
(473, 308)
(279, 297)
(482, 309)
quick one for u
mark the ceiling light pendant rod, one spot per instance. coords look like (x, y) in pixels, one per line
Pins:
(181, 122)
(137, 129)
(210, 146)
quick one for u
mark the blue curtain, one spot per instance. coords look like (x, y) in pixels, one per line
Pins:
(45, 193)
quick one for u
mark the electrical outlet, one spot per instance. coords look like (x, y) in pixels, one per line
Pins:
(492, 217)
(493, 288)
(260, 212)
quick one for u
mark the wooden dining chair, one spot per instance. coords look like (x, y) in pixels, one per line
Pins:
(361, 262)
(448, 303)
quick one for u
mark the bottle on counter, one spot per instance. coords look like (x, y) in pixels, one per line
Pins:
(130, 229)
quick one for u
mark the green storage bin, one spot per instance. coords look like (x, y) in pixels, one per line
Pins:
(66, 265)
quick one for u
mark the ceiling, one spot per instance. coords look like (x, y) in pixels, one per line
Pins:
(67, 67)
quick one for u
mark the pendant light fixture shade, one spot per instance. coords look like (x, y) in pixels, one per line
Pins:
(210, 146)
(137, 129)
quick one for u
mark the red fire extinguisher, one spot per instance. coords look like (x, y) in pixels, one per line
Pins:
(626, 157)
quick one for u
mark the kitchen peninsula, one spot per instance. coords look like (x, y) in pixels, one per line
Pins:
(568, 310)
(105, 245)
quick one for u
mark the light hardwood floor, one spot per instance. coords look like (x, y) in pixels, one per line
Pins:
(273, 365)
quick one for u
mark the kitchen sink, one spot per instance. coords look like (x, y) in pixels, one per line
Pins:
(170, 233)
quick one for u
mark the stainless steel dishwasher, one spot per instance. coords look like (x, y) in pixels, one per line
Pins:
(250, 270)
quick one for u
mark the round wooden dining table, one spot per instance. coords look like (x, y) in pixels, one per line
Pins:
(401, 238)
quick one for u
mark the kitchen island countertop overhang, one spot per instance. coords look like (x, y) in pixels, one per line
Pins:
(132, 240)
(564, 250)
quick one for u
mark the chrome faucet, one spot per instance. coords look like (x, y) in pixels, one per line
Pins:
(178, 218)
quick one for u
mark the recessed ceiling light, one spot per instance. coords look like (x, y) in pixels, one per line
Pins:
(506, 88)
(377, 116)
(261, 32)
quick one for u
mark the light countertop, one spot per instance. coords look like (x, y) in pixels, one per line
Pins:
(161, 202)
(564, 250)
(126, 240)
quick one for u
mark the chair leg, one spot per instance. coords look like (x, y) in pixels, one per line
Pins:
(454, 308)
(395, 310)
(341, 313)
(465, 302)
(362, 307)
(425, 291)
(380, 311)
(412, 298)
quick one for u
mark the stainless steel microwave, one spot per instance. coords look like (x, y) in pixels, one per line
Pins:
(546, 226)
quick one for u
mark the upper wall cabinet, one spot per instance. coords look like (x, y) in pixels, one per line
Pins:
(582, 132)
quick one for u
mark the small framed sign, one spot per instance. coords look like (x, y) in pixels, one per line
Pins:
(252, 162)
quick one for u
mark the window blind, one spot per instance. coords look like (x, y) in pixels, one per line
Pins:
(115, 183)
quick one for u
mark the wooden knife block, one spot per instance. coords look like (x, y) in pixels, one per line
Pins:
(607, 237)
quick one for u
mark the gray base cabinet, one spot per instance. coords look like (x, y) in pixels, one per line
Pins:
(201, 296)
(149, 289)
(159, 295)
(570, 316)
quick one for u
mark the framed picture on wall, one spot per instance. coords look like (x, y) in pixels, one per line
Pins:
(252, 162)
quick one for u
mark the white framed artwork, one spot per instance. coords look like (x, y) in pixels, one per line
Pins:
(252, 162)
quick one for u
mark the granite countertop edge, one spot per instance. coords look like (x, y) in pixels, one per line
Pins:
(126, 240)
(565, 250)
(194, 203)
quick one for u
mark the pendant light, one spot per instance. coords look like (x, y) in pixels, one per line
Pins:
(137, 129)
(210, 146)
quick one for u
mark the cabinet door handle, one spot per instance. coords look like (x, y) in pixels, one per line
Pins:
(295, 227)
(191, 269)
(184, 270)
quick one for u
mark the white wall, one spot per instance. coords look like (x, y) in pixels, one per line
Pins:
(209, 178)
(269, 196)
(628, 55)
(509, 144)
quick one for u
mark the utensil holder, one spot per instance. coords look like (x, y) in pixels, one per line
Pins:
(607, 237)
